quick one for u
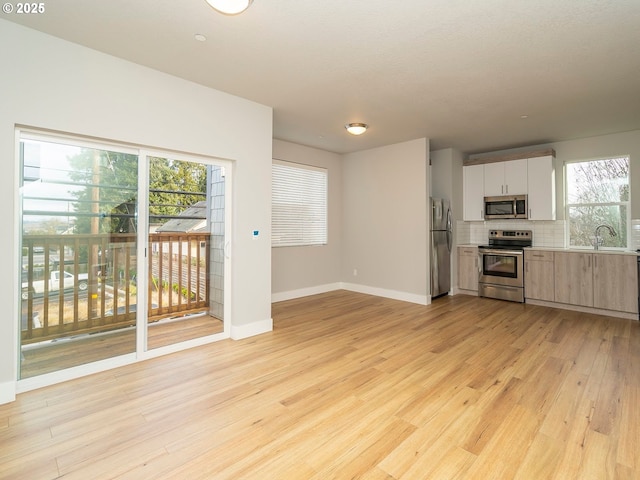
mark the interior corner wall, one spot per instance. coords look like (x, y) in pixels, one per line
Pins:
(52, 84)
(441, 173)
(300, 271)
(385, 227)
(446, 179)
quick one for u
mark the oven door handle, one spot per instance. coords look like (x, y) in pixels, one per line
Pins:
(490, 251)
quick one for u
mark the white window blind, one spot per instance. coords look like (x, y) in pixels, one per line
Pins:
(299, 205)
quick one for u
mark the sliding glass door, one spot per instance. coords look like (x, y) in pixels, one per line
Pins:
(78, 253)
(186, 213)
(122, 252)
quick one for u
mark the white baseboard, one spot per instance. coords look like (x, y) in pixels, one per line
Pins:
(305, 292)
(238, 332)
(383, 292)
(354, 287)
(7, 392)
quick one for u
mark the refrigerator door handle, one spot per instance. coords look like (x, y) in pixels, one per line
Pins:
(437, 211)
(449, 231)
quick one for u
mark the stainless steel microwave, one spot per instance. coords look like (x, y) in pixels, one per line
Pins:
(505, 206)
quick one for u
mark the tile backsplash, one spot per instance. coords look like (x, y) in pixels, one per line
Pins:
(550, 234)
(545, 233)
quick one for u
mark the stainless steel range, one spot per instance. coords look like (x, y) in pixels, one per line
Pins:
(501, 265)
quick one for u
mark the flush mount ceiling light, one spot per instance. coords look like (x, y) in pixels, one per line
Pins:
(356, 128)
(230, 7)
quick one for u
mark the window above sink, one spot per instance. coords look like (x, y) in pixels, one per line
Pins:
(597, 193)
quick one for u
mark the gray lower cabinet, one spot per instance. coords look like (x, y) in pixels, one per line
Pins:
(538, 275)
(573, 274)
(605, 281)
(615, 282)
(468, 268)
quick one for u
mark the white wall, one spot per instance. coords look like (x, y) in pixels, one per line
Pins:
(52, 84)
(300, 271)
(385, 224)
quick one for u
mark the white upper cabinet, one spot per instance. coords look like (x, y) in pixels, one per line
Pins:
(505, 178)
(473, 192)
(494, 179)
(530, 173)
(542, 188)
(515, 177)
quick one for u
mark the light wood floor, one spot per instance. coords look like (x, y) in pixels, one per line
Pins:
(354, 386)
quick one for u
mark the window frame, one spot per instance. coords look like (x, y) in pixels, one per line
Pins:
(568, 205)
(309, 234)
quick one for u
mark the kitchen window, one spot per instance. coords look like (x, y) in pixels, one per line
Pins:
(299, 205)
(597, 193)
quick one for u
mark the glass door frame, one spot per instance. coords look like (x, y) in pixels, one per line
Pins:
(141, 351)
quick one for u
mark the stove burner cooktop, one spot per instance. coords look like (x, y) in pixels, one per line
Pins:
(509, 239)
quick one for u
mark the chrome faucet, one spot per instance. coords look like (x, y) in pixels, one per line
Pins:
(598, 239)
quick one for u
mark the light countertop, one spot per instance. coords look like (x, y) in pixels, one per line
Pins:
(573, 250)
(586, 250)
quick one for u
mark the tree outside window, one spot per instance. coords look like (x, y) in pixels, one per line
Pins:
(597, 193)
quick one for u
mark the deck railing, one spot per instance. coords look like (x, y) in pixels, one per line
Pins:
(103, 294)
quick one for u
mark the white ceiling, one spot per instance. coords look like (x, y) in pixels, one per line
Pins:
(459, 72)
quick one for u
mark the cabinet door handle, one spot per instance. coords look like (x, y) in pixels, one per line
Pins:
(506, 189)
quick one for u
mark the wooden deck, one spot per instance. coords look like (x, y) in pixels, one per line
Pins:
(354, 386)
(51, 356)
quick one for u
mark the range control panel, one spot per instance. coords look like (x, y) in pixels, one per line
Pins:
(519, 234)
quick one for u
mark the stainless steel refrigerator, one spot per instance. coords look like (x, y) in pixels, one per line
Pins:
(441, 236)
